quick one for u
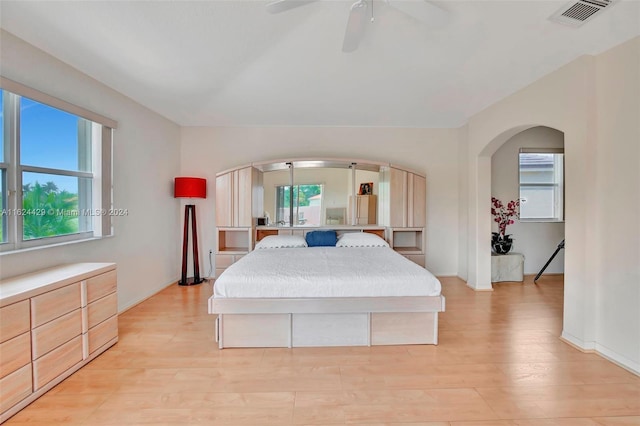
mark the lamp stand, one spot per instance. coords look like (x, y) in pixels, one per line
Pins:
(190, 212)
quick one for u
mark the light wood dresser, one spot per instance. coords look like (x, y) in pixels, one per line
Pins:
(52, 322)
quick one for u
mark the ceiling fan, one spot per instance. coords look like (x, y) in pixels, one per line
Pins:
(420, 10)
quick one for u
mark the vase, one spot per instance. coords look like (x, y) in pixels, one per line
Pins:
(501, 244)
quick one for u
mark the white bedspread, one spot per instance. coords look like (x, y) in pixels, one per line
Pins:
(325, 272)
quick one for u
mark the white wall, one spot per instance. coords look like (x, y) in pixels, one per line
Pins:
(146, 158)
(618, 208)
(594, 101)
(463, 196)
(536, 240)
(434, 152)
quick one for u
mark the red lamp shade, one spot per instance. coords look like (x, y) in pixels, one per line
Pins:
(190, 187)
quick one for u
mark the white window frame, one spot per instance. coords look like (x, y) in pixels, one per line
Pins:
(559, 188)
(100, 155)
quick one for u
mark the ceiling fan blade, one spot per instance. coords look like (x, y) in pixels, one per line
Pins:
(355, 26)
(284, 5)
(423, 11)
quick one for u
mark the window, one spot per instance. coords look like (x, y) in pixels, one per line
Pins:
(307, 204)
(541, 185)
(3, 179)
(55, 171)
(3, 203)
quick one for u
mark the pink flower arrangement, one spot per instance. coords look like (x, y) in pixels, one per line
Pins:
(502, 214)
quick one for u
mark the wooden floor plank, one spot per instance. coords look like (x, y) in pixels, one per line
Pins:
(500, 362)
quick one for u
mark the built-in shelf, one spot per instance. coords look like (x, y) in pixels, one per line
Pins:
(261, 233)
(408, 250)
(234, 240)
(379, 232)
(407, 240)
(233, 243)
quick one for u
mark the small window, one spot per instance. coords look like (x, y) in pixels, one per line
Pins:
(541, 185)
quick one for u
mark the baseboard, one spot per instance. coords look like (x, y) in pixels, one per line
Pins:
(479, 289)
(602, 351)
(619, 360)
(134, 304)
(550, 274)
(582, 346)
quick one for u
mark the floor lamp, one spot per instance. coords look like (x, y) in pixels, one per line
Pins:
(190, 187)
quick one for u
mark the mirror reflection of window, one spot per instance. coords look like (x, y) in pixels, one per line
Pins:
(307, 204)
(541, 185)
(338, 180)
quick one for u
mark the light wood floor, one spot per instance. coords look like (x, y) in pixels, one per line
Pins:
(499, 363)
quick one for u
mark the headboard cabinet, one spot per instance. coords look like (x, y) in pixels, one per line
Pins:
(396, 209)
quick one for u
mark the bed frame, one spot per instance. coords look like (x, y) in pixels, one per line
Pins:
(347, 321)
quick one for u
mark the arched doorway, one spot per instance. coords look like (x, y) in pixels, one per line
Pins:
(529, 167)
(479, 262)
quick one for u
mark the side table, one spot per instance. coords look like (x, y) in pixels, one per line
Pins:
(507, 267)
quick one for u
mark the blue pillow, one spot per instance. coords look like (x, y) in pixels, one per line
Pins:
(321, 238)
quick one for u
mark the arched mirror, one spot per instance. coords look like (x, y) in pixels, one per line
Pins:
(316, 193)
(293, 197)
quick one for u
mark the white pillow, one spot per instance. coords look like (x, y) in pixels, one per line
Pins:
(281, 241)
(360, 239)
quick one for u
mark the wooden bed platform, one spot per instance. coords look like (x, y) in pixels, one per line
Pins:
(348, 321)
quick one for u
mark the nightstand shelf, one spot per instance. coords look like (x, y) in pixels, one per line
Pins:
(233, 243)
(408, 250)
(237, 240)
(409, 242)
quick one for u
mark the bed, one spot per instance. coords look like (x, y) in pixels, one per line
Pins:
(350, 294)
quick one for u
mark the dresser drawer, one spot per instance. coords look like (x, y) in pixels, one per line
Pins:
(15, 387)
(102, 309)
(56, 362)
(103, 333)
(54, 304)
(57, 332)
(101, 285)
(14, 320)
(15, 353)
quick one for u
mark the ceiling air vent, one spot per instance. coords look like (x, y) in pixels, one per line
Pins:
(576, 13)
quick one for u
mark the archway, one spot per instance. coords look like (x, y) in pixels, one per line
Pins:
(529, 167)
(571, 111)
(479, 260)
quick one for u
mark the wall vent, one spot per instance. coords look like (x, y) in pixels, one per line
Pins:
(576, 13)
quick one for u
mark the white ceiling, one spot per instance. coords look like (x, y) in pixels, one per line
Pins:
(230, 63)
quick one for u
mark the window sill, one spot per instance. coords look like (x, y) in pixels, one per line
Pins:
(541, 220)
(47, 246)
